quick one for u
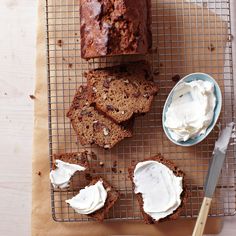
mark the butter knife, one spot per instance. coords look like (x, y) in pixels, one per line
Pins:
(214, 170)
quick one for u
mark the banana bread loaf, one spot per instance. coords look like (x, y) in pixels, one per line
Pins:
(114, 27)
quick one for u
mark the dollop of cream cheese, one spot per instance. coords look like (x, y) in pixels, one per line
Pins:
(60, 177)
(191, 110)
(160, 188)
(89, 199)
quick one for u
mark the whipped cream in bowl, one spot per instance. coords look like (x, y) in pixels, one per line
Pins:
(192, 109)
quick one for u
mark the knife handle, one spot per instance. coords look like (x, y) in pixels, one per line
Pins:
(202, 217)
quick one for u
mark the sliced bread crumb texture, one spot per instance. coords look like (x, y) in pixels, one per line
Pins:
(122, 91)
(184, 196)
(91, 126)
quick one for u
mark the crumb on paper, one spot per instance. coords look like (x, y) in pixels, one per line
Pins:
(59, 42)
(39, 173)
(93, 156)
(32, 96)
(176, 78)
(101, 163)
(70, 65)
(230, 38)
(5, 93)
(156, 72)
(211, 47)
(154, 50)
(114, 169)
(88, 176)
(114, 163)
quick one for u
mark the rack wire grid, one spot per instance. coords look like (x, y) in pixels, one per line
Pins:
(187, 37)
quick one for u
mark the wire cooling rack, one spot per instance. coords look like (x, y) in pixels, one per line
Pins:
(187, 37)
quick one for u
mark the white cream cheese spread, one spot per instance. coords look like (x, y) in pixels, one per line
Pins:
(60, 177)
(89, 199)
(191, 110)
(160, 188)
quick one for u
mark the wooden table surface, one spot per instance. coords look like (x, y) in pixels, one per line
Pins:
(17, 66)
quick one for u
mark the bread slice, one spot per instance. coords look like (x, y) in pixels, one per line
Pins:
(91, 126)
(121, 91)
(78, 158)
(112, 197)
(184, 195)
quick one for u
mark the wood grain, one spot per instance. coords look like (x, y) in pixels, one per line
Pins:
(17, 46)
(17, 66)
(202, 217)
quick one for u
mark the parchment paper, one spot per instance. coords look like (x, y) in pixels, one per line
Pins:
(42, 222)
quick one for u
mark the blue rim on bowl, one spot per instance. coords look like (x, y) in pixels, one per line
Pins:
(217, 110)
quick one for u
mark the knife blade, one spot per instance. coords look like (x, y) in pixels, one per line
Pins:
(218, 159)
(213, 174)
